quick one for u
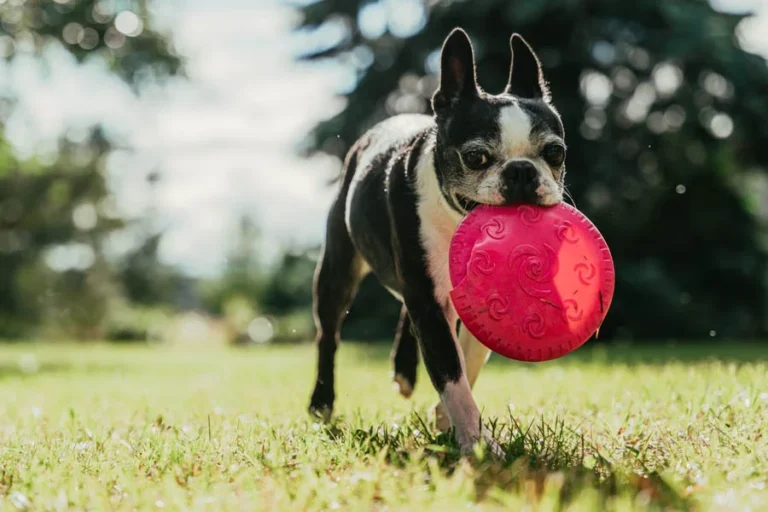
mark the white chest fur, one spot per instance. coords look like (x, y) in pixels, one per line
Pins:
(438, 222)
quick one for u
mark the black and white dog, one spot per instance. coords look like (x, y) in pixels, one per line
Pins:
(408, 182)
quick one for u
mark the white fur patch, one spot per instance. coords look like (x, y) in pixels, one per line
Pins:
(548, 192)
(515, 126)
(438, 222)
(475, 355)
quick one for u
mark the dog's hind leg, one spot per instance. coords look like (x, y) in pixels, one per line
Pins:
(405, 355)
(337, 277)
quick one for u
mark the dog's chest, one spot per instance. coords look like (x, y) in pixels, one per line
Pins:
(437, 225)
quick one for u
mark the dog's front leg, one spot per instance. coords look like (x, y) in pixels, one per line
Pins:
(443, 360)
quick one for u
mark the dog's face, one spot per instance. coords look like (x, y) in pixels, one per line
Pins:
(501, 149)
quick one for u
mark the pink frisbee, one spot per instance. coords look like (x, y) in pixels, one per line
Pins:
(531, 283)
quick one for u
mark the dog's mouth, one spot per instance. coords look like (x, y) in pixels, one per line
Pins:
(465, 203)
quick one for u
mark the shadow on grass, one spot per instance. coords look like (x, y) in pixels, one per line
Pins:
(629, 354)
(671, 352)
(540, 460)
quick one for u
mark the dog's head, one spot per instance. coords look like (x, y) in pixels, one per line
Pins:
(496, 149)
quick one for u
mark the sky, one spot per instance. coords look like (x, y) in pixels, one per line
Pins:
(224, 140)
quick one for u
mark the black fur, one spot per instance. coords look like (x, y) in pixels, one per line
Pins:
(526, 79)
(405, 353)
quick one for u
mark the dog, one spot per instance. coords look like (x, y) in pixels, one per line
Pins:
(406, 184)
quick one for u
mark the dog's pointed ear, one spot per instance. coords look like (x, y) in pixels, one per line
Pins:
(526, 78)
(457, 70)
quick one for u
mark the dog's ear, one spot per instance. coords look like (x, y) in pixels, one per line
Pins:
(457, 71)
(526, 78)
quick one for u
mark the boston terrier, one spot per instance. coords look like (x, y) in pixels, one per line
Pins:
(407, 183)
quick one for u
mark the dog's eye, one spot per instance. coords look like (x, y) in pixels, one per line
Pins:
(554, 155)
(476, 159)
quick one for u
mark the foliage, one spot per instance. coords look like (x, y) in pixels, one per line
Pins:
(55, 216)
(147, 280)
(88, 29)
(243, 277)
(130, 428)
(664, 117)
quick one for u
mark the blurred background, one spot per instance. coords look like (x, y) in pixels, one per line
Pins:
(165, 165)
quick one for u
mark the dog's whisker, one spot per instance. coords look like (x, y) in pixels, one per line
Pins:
(567, 194)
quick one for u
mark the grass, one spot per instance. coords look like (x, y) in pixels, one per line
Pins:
(625, 428)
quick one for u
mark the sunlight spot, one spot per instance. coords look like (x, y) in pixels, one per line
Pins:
(624, 79)
(667, 78)
(717, 85)
(657, 123)
(19, 500)
(72, 33)
(28, 363)
(674, 117)
(721, 126)
(84, 217)
(70, 257)
(603, 52)
(639, 58)
(372, 20)
(90, 39)
(596, 88)
(406, 17)
(432, 62)
(102, 12)
(114, 39)
(260, 330)
(640, 103)
(129, 24)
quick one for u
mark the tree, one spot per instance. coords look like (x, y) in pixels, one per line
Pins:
(665, 125)
(54, 217)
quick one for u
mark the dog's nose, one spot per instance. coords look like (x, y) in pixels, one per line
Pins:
(521, 179)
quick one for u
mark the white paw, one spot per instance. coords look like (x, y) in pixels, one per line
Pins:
(468, 441)
(493, 444)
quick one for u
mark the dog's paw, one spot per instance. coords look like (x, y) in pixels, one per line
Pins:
(403, 385)
(321, 412)
(321, 404)
(493, 445)
(469, 441)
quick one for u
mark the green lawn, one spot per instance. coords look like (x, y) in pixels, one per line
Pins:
(124, 428)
